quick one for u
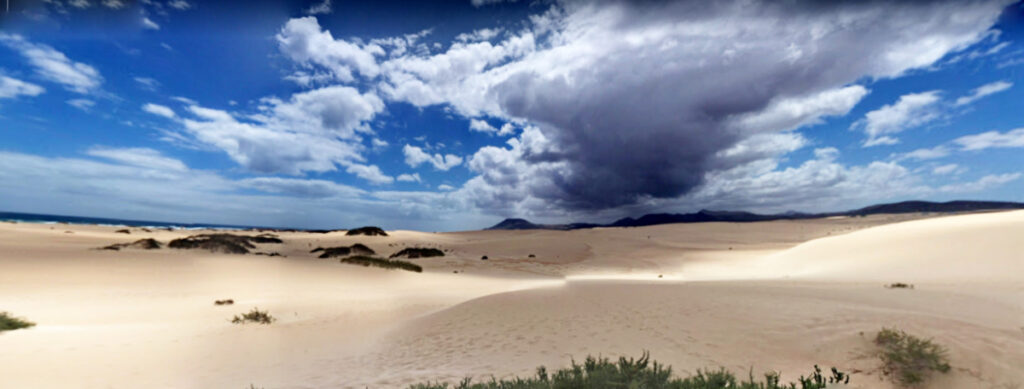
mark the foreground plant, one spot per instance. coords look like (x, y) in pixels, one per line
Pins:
(641, 373)
(907, 359)
(8, 322)
(254, 316)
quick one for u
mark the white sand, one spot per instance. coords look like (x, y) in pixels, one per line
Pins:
(773, 296)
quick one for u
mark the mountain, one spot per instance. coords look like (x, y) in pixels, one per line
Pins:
(704, 216)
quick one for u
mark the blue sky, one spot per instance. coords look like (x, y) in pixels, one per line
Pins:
(454, 115)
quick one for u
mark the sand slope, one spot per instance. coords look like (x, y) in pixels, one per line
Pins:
(780, 295)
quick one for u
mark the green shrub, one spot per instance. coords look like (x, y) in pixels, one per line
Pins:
(907, 359)
(383, 263)
(254, 316)
(8, 322)
(640, 373)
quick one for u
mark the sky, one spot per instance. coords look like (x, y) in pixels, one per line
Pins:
(453, 115)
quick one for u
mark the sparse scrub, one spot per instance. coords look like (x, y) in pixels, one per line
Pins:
(641, 373)
(382, 263)
(8, 322)
(908, 360)
(900, 285)
(368, 231)
(418, 252)
(254, 316)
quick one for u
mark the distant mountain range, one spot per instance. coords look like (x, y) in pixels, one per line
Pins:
(741, 217)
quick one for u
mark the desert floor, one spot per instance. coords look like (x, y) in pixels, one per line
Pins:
(781, 296)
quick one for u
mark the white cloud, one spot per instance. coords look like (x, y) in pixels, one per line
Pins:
(302, 40)
(149, 24)
(82, 104)
(80, 4)
(415, 177)
(480, 3)
(301, 187)
(159, 110)
(992, 139)
(320, 9)
(415, 156)
(911, 110)
(986, 182)
(481, 126)
(54, 66)
(983, 91)
(147, 83)
(445, 187)
(140, 157)
(947, 169)
(924, 154)
(11, 88)
(507, 129)
(179, 5)
(114, 4)
(370, 173)
(184, 100)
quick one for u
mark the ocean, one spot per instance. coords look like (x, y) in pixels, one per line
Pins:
(43, 218)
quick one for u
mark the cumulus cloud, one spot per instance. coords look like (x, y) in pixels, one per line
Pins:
(992, 139)
(703, 82)
(983, 91)
(54, 66)
(415, 177)
(947, 169)
(415, 156)
(320, 8)
(11, 88)
(140, 157)
(924, 154)
(159, 110)
(911, 110)
(316, 130)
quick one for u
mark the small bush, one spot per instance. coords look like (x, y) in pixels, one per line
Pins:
(641, 373)
(383, 263)
(900, 285)
(368, 231)
(418, 252)
(224, 302)
(907, 359)
(254, 316)
(8, 322)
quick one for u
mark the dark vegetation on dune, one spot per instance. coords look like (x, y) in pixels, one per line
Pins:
(8, 322)
(123, 232)
(142, 244)
(642, 373)
(418, 252)
(382, 263)
(908, 360)
(223, 243)
(224, 302)
(899, 285)
(343, 251)
(254, 316)
(368, 231)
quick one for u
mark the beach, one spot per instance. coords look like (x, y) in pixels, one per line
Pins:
(762, 296)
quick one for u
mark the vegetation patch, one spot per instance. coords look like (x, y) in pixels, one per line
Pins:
(344, 251)
(223, 243)
(382, 263)
(909, 360)
(142, 244)
(642, 373)
(8, 322)
(368, 230)
(418, 252)
(254, 316)
(224, 302)
(123, 232)
(899, 285)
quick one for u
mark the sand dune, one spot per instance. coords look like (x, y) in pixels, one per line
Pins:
(779, 295)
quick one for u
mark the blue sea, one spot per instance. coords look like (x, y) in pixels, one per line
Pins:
(41, 218)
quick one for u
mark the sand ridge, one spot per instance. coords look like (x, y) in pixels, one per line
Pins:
(780, 295)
